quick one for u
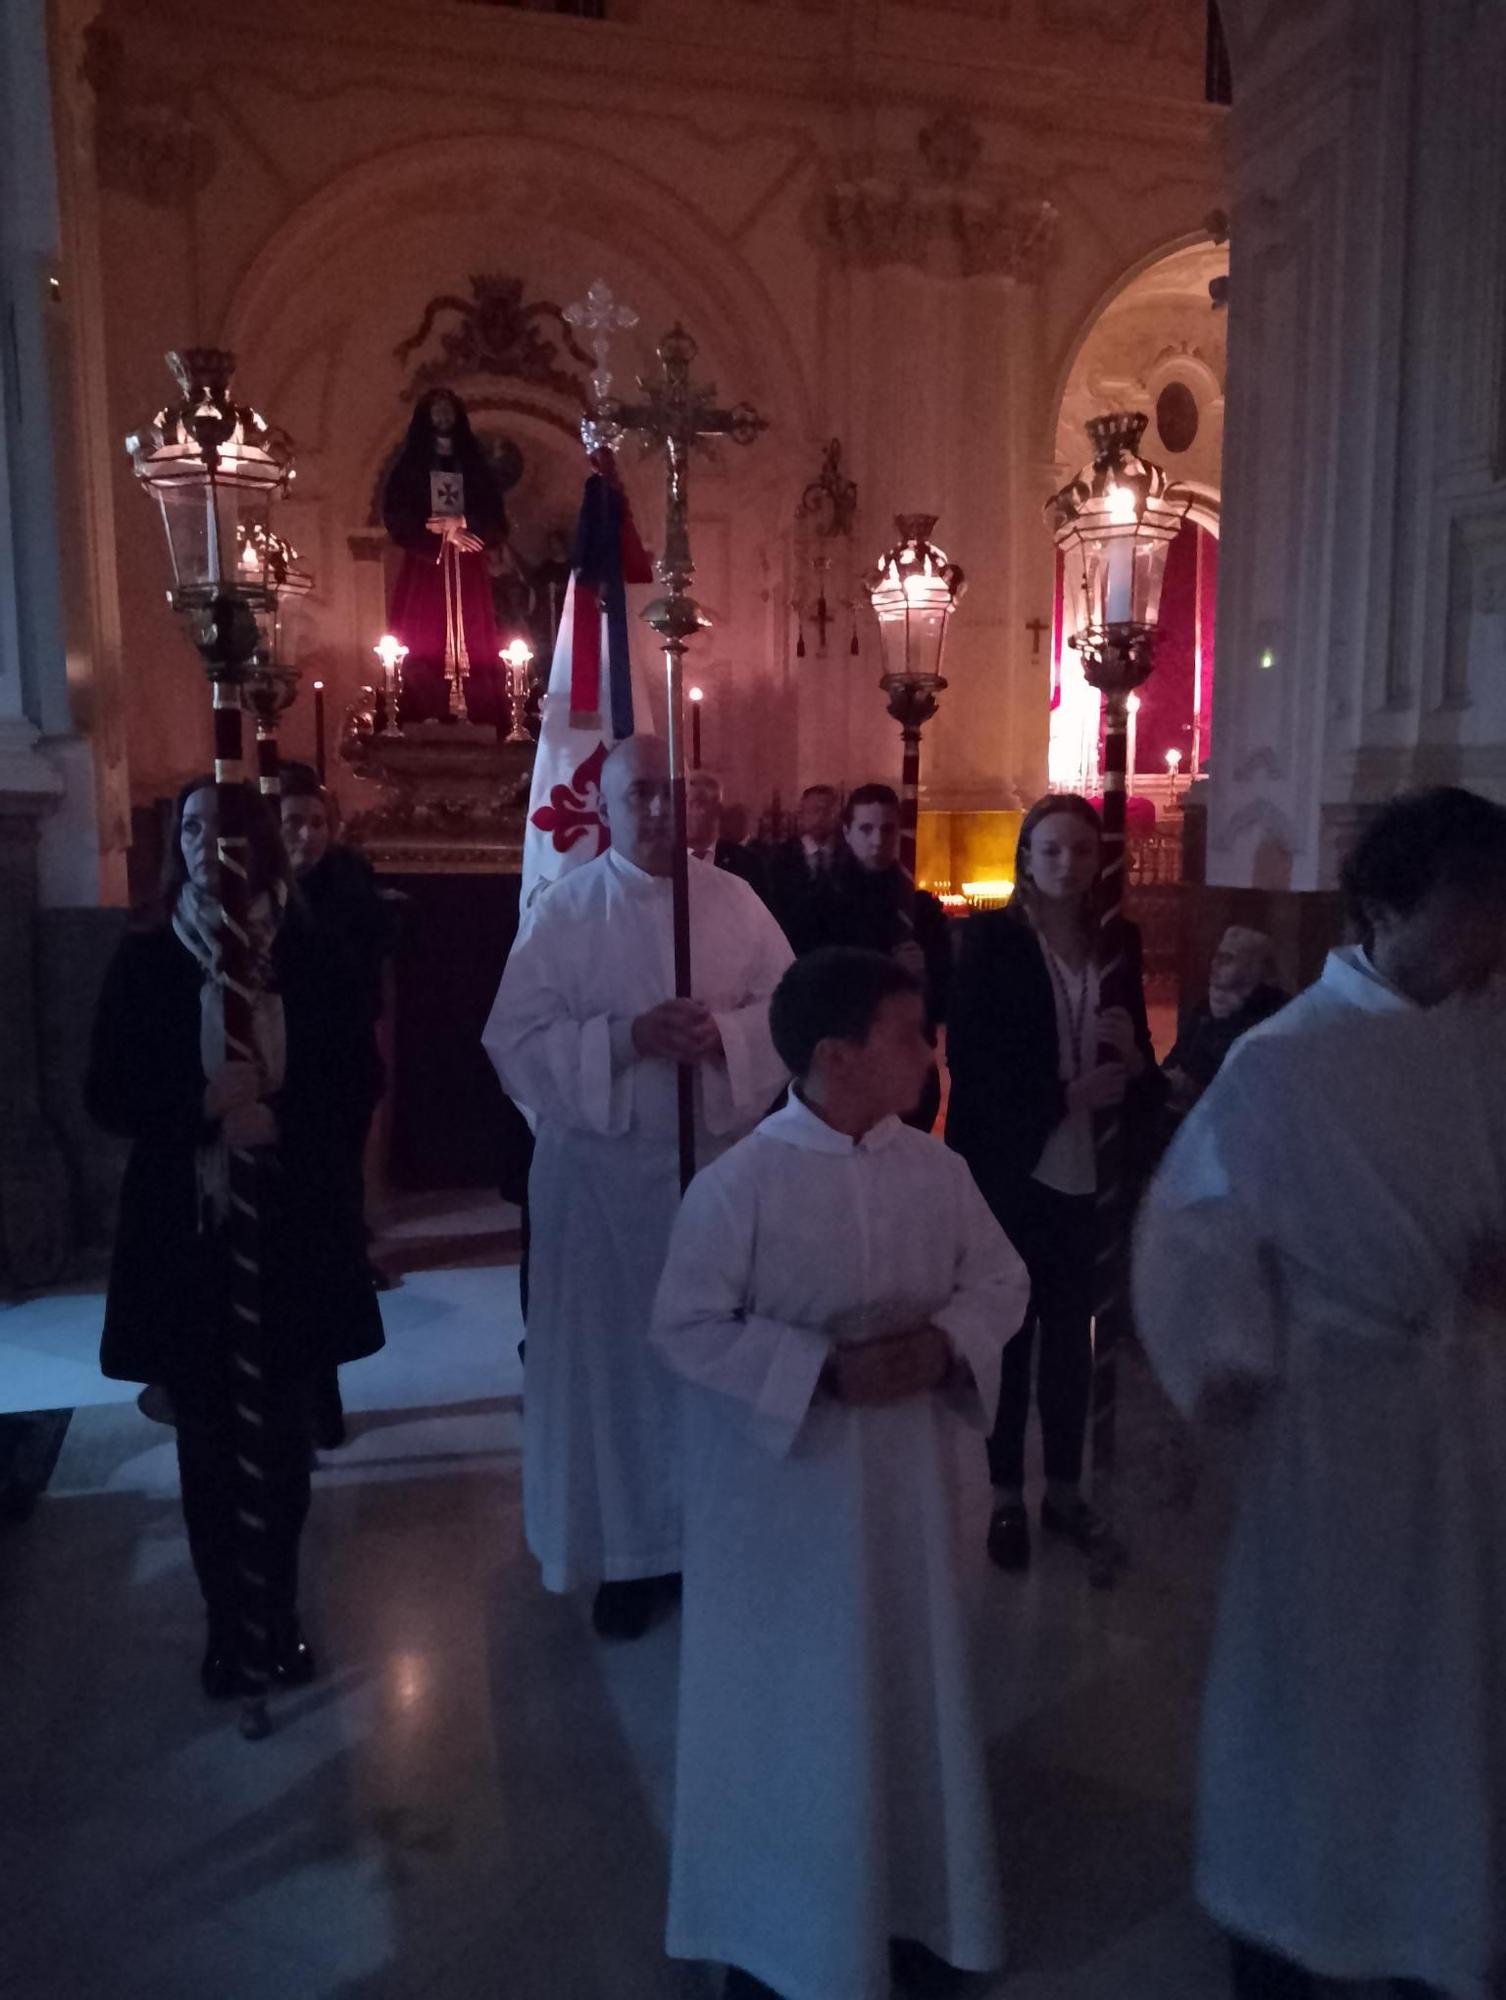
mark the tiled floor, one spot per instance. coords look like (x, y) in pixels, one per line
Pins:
(472, 1800)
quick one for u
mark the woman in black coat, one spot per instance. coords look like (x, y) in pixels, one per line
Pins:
(1035, 1052)
(159, 1012)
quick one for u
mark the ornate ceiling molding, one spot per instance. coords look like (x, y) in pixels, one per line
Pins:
(493, 333)
(945, 219)
(146, 141)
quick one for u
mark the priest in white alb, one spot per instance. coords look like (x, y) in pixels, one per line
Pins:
(837, 1297)
(1323, 1256)
(586, 1035)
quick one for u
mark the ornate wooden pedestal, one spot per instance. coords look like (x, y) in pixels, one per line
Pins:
(445, 829)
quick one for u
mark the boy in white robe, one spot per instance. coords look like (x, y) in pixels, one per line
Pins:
(1314, 1246)
(837, 1295)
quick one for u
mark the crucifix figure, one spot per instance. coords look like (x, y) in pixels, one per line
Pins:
(1036, 627)
(672, 415)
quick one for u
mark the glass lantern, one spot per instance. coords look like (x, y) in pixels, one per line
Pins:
(1115, 524)
(216, 468)
(913, 590)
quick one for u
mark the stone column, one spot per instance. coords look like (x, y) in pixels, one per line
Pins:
(1362, 582)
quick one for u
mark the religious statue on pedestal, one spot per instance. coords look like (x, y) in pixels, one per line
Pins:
(443, 507)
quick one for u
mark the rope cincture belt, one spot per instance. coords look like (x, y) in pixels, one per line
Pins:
(457, 661)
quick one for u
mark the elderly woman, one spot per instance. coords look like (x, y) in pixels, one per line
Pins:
(1242, 992)
(157, 1077)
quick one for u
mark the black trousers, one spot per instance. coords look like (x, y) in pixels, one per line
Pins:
(201, 1393)
(1261, 1975)
(1054, 1234)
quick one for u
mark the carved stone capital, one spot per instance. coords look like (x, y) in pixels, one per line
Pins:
(871, 223)
(147, 143)
(940, 215)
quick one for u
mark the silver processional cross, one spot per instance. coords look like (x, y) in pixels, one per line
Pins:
(672, 414)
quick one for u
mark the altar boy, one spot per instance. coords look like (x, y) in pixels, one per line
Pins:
(837, 1295)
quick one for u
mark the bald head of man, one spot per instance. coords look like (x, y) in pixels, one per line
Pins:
(636, 803)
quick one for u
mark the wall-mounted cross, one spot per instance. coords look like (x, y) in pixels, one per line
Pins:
(1036, 627)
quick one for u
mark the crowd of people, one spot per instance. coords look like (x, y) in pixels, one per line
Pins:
(778, 1400)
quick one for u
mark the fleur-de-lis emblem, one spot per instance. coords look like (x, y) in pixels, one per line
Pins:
(573, 813)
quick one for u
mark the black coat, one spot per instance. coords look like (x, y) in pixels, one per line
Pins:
(353, 932)
(146, 1083)
(800, 900)
(881, 910)
(746, 863)
(1004, 1055)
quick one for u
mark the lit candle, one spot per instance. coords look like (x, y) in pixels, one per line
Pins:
(319, 729)
(516, 656)
(391, 652)
(697, 696)
(1119, 597)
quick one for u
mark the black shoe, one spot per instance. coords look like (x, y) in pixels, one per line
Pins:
(1009, 1537)
(1078, 1523)
(292, 1662)
(921, 1973)
(742, 1985)
(625, 1610)
(219, 1675)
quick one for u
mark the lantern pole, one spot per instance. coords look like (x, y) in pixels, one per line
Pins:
(1111, 517)
(203, 446)
(912, 706)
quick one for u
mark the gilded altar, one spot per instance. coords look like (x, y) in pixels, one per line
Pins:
(447, 798)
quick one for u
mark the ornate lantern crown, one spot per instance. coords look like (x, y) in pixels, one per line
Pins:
(1115, 524)
(216, 467)
(913, 590)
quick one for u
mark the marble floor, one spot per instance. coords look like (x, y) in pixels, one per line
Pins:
(472, 1800)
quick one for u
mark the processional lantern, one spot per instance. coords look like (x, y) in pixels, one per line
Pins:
(216, 469)
(1114, 525)
(272, 685)
(913, 590)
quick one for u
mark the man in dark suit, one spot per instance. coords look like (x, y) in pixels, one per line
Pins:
(703, 827)
(803, 868)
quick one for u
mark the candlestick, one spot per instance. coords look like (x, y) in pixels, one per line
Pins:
(319, 755)
(516, 656)
(391, 652)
